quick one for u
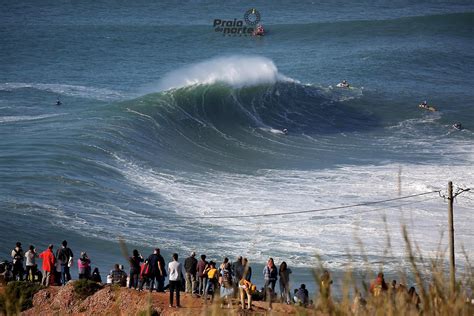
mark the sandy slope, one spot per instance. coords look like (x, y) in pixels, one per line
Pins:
(122, 301)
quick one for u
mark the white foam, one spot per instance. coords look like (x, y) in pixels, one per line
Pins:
(9, 119)
(236, 71)
(328, 233)
(272, 130)
(66, 89)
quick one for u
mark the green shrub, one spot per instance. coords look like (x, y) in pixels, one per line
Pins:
(18, 297)
(148, 312)
(84, 288)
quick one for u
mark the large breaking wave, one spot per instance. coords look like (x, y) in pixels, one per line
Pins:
(234, 108)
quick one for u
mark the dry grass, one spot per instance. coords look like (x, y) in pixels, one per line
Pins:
(432, 285)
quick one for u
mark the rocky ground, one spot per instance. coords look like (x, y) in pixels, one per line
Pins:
(123, 301)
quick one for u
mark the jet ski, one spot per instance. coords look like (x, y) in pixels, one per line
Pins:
(343, 84)
(259, 31)
(427, 107)
(457, 126)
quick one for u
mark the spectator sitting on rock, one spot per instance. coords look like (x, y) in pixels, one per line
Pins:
(96, 276)
(118, 276)
(302, 296)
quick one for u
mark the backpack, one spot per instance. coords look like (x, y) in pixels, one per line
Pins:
(226, 277)
(18, 256)
(145, 272)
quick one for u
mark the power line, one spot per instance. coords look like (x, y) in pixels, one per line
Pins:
(459, 190)
(313, 219)
(315, 210)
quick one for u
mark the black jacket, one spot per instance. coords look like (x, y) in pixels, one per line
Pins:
(190, 265)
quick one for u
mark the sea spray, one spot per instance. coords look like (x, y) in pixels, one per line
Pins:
(237, 71)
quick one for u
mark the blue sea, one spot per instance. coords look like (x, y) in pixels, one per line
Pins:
(170, 134)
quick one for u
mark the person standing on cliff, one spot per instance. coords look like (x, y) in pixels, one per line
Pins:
(247, 270)
(30, 263)
(285, 283)
(202, 275)
(174, 271)
(84, 266)
(212, 276)
(135, 260)
(270, 275)
(161, 279)
(17, 258)
(156, 270)
(378, 286)
(237, 273)
(65, 256)
(48, 264)
(190, 265)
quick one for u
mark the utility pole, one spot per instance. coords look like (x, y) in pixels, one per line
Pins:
(452, 276)
(452, 266)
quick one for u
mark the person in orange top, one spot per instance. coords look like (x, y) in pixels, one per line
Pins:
(48, 264)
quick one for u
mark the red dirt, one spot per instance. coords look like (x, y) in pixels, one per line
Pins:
(123, 301)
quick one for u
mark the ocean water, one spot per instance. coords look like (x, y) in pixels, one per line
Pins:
(170, 134)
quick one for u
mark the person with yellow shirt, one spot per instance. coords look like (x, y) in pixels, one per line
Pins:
(212, 277)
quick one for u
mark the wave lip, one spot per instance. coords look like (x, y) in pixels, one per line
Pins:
(236, 71)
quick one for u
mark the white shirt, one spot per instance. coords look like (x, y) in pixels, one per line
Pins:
(174, 271)
(30, 258)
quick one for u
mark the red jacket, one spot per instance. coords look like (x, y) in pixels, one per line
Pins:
(377, 286)
(48, 260)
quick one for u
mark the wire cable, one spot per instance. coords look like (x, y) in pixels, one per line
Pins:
(352, 214)
(314, 210)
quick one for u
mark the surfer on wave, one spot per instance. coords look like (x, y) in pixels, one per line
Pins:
(458, 126)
